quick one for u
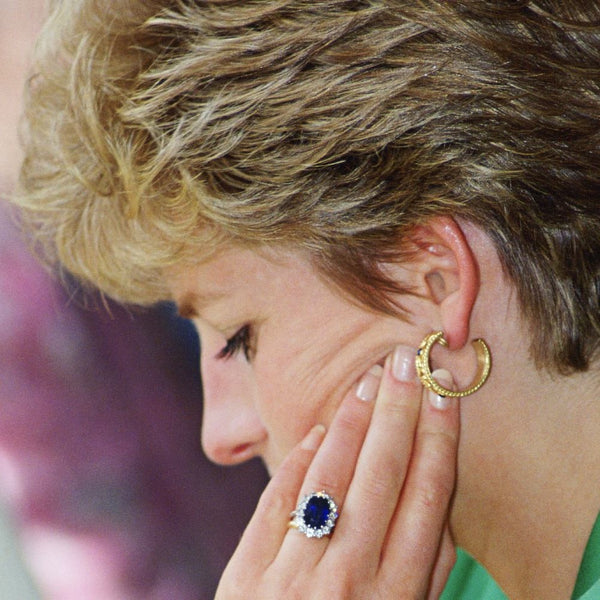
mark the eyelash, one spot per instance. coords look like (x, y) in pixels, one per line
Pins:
(240, 340)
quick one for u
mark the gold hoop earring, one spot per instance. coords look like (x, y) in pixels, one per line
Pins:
(484, 363)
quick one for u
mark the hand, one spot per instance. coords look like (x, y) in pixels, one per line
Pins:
(390, 465)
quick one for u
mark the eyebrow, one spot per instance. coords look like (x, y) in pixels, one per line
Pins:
(188, 306)
(185, 309)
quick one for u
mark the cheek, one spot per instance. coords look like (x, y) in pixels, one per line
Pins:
(305, 367)
(294, 393)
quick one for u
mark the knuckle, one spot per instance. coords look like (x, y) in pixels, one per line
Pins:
(400, 585)
(350, 423)
(328, 482)
(274, 501)
(398, 408)
(379, 481)
(441, 444)
(296, 461)
(391, 591)
(295, 590)
(233, 585)
(433, 494)
(342, 586)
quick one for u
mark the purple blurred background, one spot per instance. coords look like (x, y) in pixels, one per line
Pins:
(101, 471)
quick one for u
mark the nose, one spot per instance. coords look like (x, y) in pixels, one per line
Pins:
(232, 431)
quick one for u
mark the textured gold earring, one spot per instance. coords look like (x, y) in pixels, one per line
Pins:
(484, 363)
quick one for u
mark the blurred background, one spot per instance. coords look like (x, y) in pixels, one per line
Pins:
(104, 491)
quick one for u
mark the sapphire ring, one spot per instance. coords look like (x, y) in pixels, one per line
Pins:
(315, 515)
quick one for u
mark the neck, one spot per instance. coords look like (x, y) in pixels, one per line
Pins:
(528, 492)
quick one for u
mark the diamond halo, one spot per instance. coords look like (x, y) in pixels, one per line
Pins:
(316, 514)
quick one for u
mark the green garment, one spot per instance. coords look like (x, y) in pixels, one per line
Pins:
(470, 581)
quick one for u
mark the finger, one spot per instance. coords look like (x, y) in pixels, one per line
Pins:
(262, 539)
(334, 464)
(444, 563)
(423, 509)
(332, 468)
(383, 462)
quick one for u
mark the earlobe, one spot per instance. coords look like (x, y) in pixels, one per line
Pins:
(450, 275)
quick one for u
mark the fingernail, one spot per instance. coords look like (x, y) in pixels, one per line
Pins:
(314, 438)
(444, 378)
(403, 364)
(369, 384)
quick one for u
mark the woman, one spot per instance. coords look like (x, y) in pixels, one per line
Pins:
(323, 188)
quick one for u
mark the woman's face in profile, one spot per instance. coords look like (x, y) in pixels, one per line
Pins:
(279, 349)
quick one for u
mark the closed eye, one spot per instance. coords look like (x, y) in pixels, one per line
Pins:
(240, 340)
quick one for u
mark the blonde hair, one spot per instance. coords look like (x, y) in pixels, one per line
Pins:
(156, 131)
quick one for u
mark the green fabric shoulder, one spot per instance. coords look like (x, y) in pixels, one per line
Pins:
(470, 581)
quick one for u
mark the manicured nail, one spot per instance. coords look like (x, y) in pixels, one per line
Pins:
(444, 378)
(369, 384)
(403, 364)
(314, 438)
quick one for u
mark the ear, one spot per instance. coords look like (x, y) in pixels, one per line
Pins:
(449, 275)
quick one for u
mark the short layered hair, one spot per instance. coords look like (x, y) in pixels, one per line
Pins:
(156, 131)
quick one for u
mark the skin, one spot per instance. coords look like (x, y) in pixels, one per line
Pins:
(308, 366)
(311, 347)
(308, 347)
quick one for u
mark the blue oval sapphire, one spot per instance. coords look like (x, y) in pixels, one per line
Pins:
(317, 512)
